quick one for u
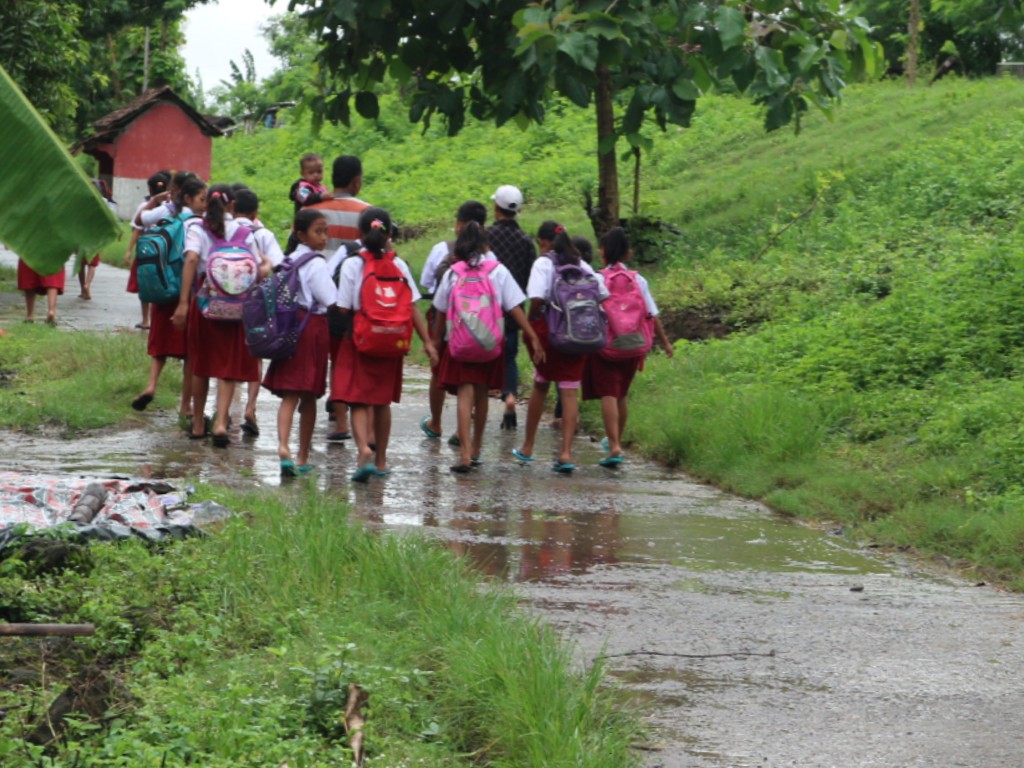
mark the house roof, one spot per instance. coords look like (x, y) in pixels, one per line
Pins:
(106, 129)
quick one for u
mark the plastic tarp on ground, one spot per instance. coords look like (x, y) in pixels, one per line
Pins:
(31, 503)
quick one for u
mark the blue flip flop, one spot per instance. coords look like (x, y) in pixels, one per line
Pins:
(287, 468)
(604, 444)
(427, 430)
(522, 456)
(304, 469)
(364, 473)
(563, 467)
(611, 461)
(381, 472)
(476, 461)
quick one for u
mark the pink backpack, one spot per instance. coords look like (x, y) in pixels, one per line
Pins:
(476, 322)
(630, 329)
(232, 270)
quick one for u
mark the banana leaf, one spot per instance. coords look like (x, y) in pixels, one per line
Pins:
(48, 207)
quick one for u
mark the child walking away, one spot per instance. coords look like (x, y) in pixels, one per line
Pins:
(471, 301)
(165, 339)
(247, 211)
(437, 264)
(216, 347)
(378, 289)
(633, 322)
(86, 268)
(308, 189)
(34, 284)
(563, 345)
(302, 378)
(157, 184)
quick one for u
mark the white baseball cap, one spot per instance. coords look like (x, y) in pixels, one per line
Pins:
(508, 198)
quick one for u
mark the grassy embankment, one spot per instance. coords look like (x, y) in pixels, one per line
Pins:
(238, 650)
(868, 267)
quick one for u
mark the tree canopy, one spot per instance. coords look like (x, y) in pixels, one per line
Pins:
(631, 60)
(80, 59)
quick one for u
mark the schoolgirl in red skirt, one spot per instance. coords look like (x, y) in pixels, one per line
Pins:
(369, 384)
(165, 340)
(157, 184)
(471, 381)
(565, 370)
(35, 284)
(216, 349)
(608, 380)
(302, 379)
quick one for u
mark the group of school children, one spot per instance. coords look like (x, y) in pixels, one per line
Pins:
(353, 282)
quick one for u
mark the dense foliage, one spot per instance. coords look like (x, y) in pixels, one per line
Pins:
(79, 60)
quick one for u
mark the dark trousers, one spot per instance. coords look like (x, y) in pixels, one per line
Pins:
(511, 351)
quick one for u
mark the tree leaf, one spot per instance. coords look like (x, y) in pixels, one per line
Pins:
(41, 179)
(731, 26)
(367, 106)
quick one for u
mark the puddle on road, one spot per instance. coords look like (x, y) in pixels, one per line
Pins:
(517, 523)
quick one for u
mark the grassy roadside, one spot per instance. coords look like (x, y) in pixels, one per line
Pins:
(241, 647)
(74, 381)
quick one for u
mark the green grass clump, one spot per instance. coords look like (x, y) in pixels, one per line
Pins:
(241, 648)
(73, 381)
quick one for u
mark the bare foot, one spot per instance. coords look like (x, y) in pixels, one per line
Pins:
(51, 318)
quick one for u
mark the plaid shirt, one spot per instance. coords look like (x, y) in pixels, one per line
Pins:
(513, 247)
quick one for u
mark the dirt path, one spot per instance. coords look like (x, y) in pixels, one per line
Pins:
(747, 640)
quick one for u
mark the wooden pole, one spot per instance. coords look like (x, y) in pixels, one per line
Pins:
(48, 630)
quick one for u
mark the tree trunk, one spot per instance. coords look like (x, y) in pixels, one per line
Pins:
(606, 213)
(913, 35)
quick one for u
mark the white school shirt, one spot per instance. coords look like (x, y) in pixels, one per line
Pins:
(198, 240)
(265, 240)
(645, 291)
(428, 277)
(337, 257)
(351, 282)
(315, 282)
(542, 274)
(510, 295)
(165, 210)
(137, 212)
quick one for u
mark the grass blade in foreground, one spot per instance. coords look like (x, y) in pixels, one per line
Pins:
(42, 183)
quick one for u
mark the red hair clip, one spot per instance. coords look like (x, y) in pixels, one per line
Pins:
(559, 229)
(376, 224)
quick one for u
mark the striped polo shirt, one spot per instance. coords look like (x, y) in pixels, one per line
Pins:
(342, 219)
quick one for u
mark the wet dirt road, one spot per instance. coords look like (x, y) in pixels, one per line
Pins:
(747, 639)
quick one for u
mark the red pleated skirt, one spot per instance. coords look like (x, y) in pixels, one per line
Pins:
(358, 379)
(451, 373)
(164, 339)
(304, 372)
(30, 280)
(556, 366)
(133, 277)
(216, 348)
(609, 378)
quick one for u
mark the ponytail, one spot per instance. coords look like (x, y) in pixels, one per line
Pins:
(615, 245)
(471, 242)
(564, 247)
(218, 201)
(375, 230)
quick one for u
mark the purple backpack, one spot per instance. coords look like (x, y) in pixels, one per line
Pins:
(270, 313)
(576, 322)
(475, 320)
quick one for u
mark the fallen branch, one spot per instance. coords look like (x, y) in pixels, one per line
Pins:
(48, 630)
(802, 215)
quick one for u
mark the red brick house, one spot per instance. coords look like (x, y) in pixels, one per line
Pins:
(155, 131)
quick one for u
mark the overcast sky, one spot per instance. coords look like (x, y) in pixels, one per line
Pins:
(219, 31)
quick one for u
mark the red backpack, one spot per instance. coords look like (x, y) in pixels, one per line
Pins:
(631, 332)
(382, 326)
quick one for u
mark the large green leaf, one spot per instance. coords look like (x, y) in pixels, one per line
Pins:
(48, 208)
